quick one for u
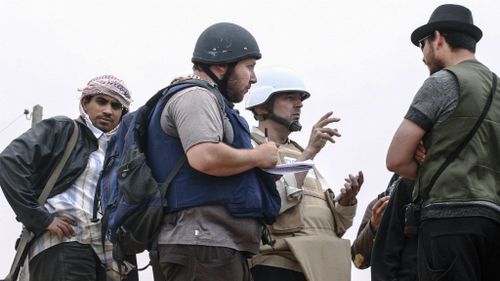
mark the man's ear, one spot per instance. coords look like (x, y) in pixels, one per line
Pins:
(219, 70)
(261, 109)
(85, 103)
(439, 38)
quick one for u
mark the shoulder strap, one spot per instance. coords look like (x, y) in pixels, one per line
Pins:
(164, 186)
(212, 88)
(178, 87)
(172, 89)
(57, 171)
(200, 83)
(454, 154)
(26, 236)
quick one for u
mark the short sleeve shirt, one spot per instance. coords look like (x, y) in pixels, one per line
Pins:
(194, 116)
(435, 101)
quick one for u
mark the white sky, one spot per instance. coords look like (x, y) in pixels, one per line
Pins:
(356, 58)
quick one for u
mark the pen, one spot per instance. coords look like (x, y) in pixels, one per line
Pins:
(265, 135)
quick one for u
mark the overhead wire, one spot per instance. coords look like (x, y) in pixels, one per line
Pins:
(12, 122)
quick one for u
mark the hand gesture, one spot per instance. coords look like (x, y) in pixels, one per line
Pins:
(378, 210)
(351, 189)
(62, 226)
(320, 134)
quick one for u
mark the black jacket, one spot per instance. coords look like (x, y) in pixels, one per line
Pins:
(394, 256)
(28, 161)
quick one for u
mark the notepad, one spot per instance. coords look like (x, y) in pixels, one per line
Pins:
(291, 168)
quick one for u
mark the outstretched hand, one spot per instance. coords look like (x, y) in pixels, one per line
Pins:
(320, 134)
(351, 189)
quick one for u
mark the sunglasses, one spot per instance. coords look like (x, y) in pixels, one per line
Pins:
(421, 42)
(103, 102)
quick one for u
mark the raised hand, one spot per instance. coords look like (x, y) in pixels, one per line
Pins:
(320, 134)
(351, 189)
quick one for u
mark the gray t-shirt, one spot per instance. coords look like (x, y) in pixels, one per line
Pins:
(435, 101)
(195, 115)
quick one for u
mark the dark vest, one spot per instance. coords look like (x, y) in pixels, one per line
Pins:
(475, 174)
(249, 194)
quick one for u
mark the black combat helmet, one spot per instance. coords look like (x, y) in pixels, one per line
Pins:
(224, 43)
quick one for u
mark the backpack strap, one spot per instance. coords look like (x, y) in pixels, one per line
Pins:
(164, 186)
(154, 259)
(26, 235)
(203, 84)
(57, 171)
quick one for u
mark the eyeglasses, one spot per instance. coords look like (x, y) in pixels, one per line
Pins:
(103, 102)
(421, 42)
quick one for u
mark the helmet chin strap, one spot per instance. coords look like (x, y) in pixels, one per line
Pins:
(293, 126)
(221, 83)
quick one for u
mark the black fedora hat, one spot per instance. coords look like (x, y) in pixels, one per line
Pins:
(448, 17)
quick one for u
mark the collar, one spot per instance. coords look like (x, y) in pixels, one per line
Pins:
(95, 131)
(255, 130)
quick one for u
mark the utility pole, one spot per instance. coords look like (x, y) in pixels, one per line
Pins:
(36, 115)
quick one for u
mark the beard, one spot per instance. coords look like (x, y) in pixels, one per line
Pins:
(235, 93)
(434, 64)
(234, 97)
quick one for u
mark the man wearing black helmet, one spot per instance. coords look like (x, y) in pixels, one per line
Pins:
(219, 199)
(455, 113)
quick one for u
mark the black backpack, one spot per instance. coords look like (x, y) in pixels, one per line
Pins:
(132, 200)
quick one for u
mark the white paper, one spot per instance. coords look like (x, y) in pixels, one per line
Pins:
(291, 168)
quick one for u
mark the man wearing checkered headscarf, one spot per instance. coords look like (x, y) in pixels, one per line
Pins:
(108, 85)
(68, 244)
(100, 89)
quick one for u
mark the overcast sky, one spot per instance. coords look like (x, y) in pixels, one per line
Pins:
(355, 57)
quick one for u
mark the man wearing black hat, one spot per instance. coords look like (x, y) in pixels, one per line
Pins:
(457, 190)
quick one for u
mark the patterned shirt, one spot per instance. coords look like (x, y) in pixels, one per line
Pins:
(77, 203)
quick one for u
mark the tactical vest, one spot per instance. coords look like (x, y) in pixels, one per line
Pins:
(249, 194)
(475, 173)
(307, 230)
